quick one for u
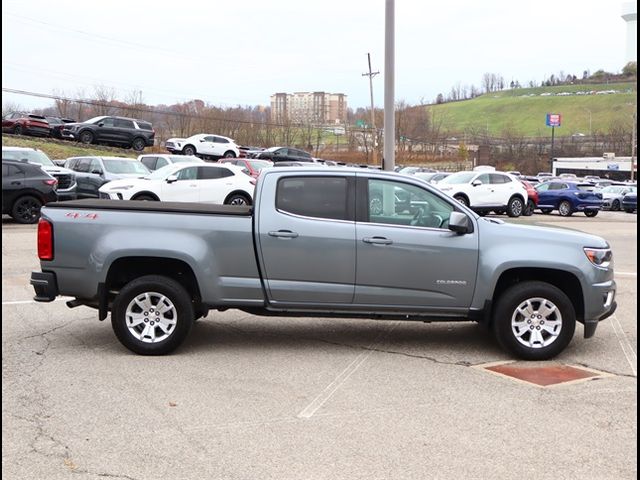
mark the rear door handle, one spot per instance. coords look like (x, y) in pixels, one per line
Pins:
(377, 240)
(283, 234)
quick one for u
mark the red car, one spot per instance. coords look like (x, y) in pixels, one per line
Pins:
(25, 124)
(532, 203)
(252, 166)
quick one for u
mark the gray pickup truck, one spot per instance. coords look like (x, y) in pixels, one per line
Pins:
(323, 241)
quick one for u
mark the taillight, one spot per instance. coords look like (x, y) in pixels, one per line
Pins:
(51, 182)
(45, 240)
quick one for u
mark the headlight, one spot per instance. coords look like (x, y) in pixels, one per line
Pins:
(600, 257)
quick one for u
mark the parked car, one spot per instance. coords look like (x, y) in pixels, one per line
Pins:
(432, 177)
(486, 191)
(249, 152)
(612, 196)
(414, 170)
(252, 166)
(544, 174)
(154, 161)
(25, 124)
(204, 145)
(568, 197)
(187, 182)
(25, 189)
(121, 131)
(284, 154)
(532, 201)
(93, 172)
(630, 202)
(66, 188)
(56, 125)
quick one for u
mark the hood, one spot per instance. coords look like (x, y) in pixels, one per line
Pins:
(118, 176)
(542, 236)
(129, 180)
(55, 169)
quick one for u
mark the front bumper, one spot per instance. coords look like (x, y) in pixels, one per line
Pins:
(45, 286)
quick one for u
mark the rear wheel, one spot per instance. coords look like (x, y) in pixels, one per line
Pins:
(26, 209)
(237, 199)
(564, 209)
(229, 154)
(546, 211)
(534, 320)
(138, 144)
(152, 315)
(462, 199)
(615, 205)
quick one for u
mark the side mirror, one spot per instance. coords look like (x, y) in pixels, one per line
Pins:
(459, 223)
(201, 140)
(172, 178)
(476, 183)
(97, 172)
(101, 124)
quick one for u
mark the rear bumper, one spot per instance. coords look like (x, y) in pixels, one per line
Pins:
(45, 286)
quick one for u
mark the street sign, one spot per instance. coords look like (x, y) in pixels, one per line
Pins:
(360, 123)
(554, 119)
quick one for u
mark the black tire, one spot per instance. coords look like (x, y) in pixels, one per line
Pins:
(26, 209)
(546, 211)
(591, 213)
(131, 303)
(515, 207)
(615, 205)
(528, 211)
(189, 150)
(86, 137)
(530, 338)
(462, 199)
(145, 198)
(237, 199)
(17, 130)
(138, 144)
(229, 154)
(564, 209)
(629, 210)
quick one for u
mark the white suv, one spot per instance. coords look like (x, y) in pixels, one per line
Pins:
(204, 145)
(154, 161)
(486, 191)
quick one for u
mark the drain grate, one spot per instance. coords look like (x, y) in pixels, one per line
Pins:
(544, 375)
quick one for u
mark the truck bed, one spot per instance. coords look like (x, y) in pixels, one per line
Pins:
(173, 207)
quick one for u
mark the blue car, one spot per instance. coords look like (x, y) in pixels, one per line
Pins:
(630, 202)
(568, 197)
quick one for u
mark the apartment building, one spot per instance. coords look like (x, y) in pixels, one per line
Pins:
(317, 108)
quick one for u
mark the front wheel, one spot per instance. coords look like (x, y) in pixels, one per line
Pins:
(86, 137)
(152, 315)
(138, 144)
(189, 150)
(591, 213)
(515, 207)
(17, 130)
(145, 198)
(546, 211)
(534, 320)
(615, 205)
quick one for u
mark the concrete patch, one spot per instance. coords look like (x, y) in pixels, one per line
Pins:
(543, 374)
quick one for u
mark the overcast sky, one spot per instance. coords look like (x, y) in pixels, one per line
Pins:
(239, 52)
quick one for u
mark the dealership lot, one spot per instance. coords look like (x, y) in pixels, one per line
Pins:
(256, 398)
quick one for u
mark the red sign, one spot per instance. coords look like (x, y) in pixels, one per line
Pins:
(554, 119)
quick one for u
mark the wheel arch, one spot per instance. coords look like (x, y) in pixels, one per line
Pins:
(147, 193)
(563, 280)
(239, 192)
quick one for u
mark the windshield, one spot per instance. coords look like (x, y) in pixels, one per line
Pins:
(259, 164)
(164, 172)
(184, 159)
(31, 156)
(458, 178)
(613, 189)
(95, 119)
(113, 165)
(54, 120)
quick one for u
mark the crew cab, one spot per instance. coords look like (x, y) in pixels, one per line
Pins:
(314, 245)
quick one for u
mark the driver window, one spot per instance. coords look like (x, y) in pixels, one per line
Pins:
(190, 173)
(398, 203)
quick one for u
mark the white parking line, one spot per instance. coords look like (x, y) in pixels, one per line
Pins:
(626, 274)
(625, 345)
(327, 393)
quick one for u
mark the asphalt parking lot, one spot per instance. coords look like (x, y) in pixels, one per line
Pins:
(250, 397)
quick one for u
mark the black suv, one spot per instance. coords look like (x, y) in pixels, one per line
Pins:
(284, 154)
(25, 188)
(122, 131)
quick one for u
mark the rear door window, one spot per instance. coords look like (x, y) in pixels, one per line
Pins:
(318, 197)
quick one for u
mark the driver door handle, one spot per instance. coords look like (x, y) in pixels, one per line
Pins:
(283, 234)
(377, 241)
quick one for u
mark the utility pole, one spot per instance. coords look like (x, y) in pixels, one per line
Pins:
(373, 113)
(633, 139)
(389, 159)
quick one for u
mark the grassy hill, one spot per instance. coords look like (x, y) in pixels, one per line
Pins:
(523, 111)
(59, 149)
